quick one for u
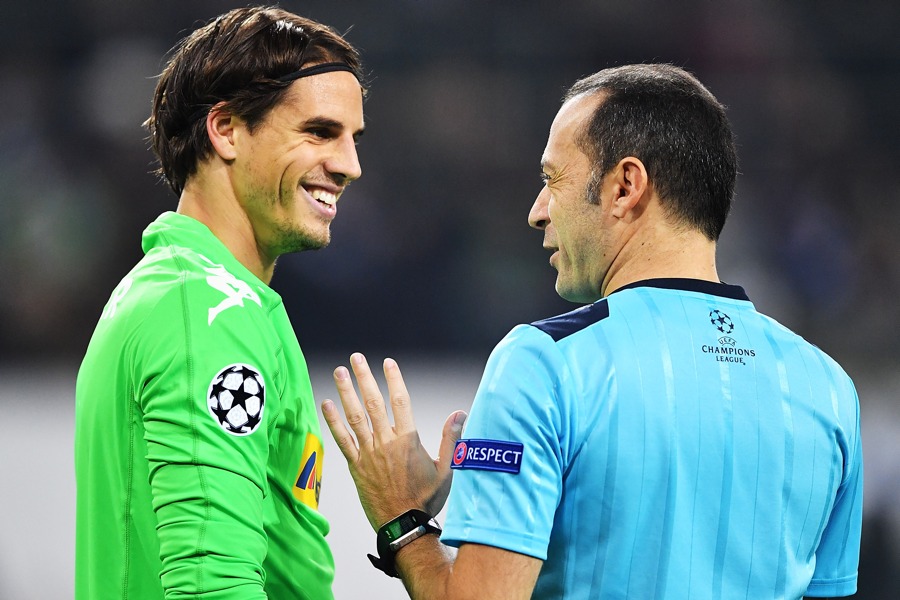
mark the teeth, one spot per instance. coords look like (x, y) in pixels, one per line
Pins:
(323, 196)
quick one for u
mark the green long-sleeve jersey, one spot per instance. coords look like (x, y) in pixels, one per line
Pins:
(198, 450)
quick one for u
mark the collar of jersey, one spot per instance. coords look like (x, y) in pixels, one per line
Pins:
(700, 286)
(172, 228)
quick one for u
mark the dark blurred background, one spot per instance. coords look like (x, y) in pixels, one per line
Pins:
(431, 253)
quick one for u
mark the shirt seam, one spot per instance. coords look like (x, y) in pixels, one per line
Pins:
(189, 367)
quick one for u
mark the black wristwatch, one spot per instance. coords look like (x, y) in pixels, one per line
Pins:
(397, 533)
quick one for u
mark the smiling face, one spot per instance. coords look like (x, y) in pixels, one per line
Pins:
(575, 228)
(290, 171)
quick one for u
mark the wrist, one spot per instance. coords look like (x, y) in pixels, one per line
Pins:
(397, 534)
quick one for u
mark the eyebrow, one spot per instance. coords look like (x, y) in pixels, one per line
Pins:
(328, 123)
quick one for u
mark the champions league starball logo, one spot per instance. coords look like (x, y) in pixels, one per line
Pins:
(727, 350)
(721, 321)
(236, 398)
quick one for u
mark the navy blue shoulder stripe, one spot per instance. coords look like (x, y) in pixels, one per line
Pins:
(572, 322)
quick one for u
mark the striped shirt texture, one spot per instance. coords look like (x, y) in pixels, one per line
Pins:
(676, 444)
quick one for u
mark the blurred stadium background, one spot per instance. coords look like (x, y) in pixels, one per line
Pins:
(432, 260)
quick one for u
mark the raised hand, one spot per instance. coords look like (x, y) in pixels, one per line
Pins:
(392, 471)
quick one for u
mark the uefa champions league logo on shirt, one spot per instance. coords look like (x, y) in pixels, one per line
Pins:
(727, 349)
(236, 398)
(721, 321)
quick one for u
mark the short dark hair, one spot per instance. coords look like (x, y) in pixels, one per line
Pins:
(237, 59)
(664, 116)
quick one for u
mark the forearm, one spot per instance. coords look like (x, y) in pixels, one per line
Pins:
(433, 571)
(210, 532)
(426, 568)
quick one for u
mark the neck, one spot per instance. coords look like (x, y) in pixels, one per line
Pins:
(209, 198)
(663, 252)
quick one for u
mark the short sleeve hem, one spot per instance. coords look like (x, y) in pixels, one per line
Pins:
(515, 542)
(845, 586)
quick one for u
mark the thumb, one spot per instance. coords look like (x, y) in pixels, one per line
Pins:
(449, 436)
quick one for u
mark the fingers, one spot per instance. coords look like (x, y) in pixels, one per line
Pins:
(342, 437)
(449, 436)
(373, 403)
(356, 416)
(400, 404)
(371, 395)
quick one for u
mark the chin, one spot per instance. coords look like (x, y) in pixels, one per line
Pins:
(576, 294)
(299, 241)
(315, 244)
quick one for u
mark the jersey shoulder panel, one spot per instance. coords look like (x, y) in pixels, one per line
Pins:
(562, 326)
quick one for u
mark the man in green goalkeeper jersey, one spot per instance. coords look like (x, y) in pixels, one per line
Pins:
(198, 451)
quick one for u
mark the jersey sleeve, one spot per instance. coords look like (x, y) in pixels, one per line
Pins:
(517, 402)
(837, 557)
(197, 380)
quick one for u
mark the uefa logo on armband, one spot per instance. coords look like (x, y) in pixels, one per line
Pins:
(459, 454)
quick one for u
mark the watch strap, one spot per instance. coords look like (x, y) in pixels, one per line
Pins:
(398, 532)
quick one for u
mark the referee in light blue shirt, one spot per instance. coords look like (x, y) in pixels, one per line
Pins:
(664, 441)
(676, 444)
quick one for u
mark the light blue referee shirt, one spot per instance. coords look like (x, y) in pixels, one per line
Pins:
(668, 441)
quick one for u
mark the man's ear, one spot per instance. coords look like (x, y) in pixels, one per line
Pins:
(220, 126)
(631, 183)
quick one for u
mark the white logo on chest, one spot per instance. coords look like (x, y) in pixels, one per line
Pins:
(235, 290)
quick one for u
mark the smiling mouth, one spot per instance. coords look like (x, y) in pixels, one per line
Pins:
(323, 196)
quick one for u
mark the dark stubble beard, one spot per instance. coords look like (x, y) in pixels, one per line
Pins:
(292, 238)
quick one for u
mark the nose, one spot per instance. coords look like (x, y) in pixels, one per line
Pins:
(343, 164)
(539, 215)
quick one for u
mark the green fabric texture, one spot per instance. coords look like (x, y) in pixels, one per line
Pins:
(175, 497)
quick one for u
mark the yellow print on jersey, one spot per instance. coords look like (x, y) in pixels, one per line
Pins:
(309, 477)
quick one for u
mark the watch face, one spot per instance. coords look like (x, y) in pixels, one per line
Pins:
(392, 531)
(400, 526)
